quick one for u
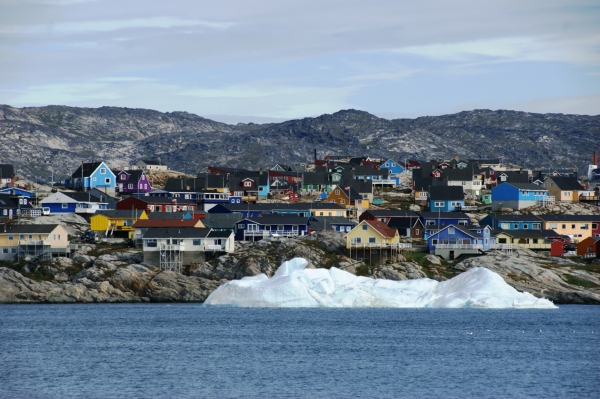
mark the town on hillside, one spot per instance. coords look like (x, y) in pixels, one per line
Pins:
(452, 208)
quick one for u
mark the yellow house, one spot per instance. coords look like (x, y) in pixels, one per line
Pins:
(565, 189)
(114, 220)
(373, 242)
(530, 239)
(37, 240)
(349, 198)
(327, 209)
(372, 232)
(578, 227)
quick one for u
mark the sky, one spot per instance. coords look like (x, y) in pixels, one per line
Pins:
(266, 60)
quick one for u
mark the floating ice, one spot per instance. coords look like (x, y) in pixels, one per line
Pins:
(295, 286)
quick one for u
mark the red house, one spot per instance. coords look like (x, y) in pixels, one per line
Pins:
(588, 248)
(156, 204)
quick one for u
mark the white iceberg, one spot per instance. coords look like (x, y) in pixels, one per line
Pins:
(295, 286)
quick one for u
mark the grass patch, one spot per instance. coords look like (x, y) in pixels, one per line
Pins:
(41, 274)
(418, 257)
(579, 282)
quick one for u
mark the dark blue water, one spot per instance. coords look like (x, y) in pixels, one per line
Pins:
(189, 351)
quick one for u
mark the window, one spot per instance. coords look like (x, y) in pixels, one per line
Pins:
(252, 227)
(241, 226)
(93, 178)
(337, 192)
(294, 228)
(123, 177)
(567, 194)
(107, 180)
(348, 229)
(594, 226)
(516, 226)
(584, 226)
(342, 201)
(438, 204)
(564, 226)
(505, 226)
(65, 206)
(417, 231)
(371, 240)
(4, 250)
(59, 236)
(486, 241)
(102, 171)
(536, 226)
(434, 242)
(281, 227)
(553, 226)
(13, 250)
(196, 243)
(365, 227)
(451, 230)
(501, 240)
(151, 243)
(572, 226)
(464, 183)
(356, 240)
(430, 223)
(130, 185)
(21, 236)
(535, 240)
(247, 184)
(11, 237)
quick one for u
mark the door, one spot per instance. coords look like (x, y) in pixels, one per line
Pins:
(451, 256)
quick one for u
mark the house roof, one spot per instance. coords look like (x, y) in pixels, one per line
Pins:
(29, 229)
(279, 219)
(6, 171)
(566, 183)
(423, 183)
(569, 218)
(514, 218)
(466, 230)
(450, 193)
(83, 197)
(135, 174)
(176, 232)
(402, 223)
(443, 215)
(174, 184)
(320, 222)
(526, 233)
(155, 223)
(221, 220)
(525, 186)
(166, 215)
(512, 176)
(119, 214)
(88, 169)
(393, 213)
(381, 228)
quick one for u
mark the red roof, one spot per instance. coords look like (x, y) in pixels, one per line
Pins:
(382, 228)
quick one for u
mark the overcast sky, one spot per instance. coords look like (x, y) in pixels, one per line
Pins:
(254, 60)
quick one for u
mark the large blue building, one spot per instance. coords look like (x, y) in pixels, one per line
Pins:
(518, 195)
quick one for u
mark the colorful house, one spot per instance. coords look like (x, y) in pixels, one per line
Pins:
(335, 223)
(577, 227)
(530, 239)
(92, 175)
(433, 221)
(445, 199)
(33, 240)
(156, 204)
(132, 182)
(374, 242)
(512, 222)
(452, 241)
(7, 175)
(565, 189)
(407, 227)
(589, 248)
(71, 202)
(264, 226)
(519, 195)
(116, 223)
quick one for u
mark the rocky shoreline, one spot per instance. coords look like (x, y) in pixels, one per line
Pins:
(120, 276)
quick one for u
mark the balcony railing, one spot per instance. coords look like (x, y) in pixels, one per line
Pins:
(458, 246)
(501, 247)
(34, 242)
(372, 245)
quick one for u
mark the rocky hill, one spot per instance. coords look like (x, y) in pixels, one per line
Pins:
(39, 140)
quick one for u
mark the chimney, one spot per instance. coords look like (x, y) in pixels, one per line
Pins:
(260, 171)
(595, 158)
(315, 155)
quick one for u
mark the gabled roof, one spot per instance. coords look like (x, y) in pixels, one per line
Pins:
(393, 213)
(176, 232)
(443, 215)
(88, 169)
(569, 218)
(403, 223)
(524, 186)
(29, 229)
(278, 219)
(463, 229)
(118, 214)
(322, 222)
(566, 183)
(315, 178)
(135, 174)
(450, 193)
(83, 197)
(381, 228)
(6, 171)
(167, 215)
(164, 223)
(423, 183)
(221, 220)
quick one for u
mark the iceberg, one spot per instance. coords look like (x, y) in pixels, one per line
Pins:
(295, 286)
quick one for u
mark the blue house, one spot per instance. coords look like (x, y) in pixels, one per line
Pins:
(92, 175)
(433, 221)
(445, 199)
(393, 166)
(83, 203)
(518, 196)
(512, 222)
(453, 241)
(257, 228)
(254, 210)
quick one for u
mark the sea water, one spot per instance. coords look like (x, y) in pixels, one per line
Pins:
(195, 351)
